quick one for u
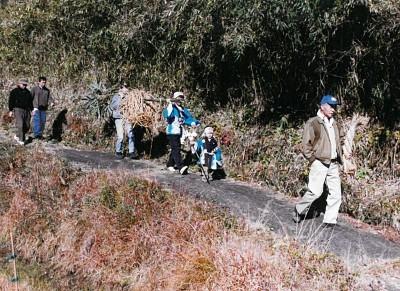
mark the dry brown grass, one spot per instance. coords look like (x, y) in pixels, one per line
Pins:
(379, 276)
(112, 230)
(6, 284)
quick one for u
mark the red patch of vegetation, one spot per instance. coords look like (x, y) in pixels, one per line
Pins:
(6, 118)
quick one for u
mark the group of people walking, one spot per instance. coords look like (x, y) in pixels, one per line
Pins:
(23, 104)
(322, 147)
(177, 117)
(322, 140)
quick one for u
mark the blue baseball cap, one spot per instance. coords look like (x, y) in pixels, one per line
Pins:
(328, 99)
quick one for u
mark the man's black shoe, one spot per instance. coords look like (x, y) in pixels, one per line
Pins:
(296, 216)
(119, 156)
(133, 156)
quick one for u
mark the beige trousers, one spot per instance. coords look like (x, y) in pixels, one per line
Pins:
(319, 175)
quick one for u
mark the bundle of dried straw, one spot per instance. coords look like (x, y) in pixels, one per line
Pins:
(142, 109)
(357, 121)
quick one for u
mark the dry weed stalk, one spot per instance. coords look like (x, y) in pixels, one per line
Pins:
(6, 284)
(357, 120)
(139, 108)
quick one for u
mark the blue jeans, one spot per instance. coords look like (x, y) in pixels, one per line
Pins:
(128, 130)
(39, 121)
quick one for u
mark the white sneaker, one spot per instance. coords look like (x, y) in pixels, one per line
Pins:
(183, 170)
(19, 142)
(171, 169)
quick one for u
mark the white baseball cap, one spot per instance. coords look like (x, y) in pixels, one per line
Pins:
(178, 95)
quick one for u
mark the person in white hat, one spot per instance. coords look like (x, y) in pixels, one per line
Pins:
(20, 106)
(176, 116)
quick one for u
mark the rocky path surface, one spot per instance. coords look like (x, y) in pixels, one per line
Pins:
(258, 205)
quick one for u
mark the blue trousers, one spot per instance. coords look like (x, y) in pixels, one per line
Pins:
(124, 127)
(39, 121)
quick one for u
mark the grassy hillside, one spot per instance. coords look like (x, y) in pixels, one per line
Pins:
(110, 230)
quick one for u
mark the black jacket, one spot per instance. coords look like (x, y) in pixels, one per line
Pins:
(20, 98)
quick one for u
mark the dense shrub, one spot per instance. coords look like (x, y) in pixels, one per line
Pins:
(278, 57)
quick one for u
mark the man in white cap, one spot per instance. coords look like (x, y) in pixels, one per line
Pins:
(177, 116)
(20, 106)
(322, 147)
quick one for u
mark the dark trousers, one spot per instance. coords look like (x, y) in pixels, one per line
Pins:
(208, 160)
(175, 158)
(22, 122)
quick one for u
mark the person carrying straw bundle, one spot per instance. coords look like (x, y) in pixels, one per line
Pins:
(122, 125)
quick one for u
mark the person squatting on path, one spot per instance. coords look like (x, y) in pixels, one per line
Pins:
(322, 147)
(176, 116)
(122, 126)
(41, 101)
(20, 105)
(210, 152)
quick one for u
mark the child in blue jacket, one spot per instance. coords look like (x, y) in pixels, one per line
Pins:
(177, 116)
(210, 152)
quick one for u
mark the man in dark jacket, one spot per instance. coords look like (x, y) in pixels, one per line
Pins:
(41, 101)
(20, 105)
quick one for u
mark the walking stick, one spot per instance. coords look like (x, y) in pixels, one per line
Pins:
(203, 171)
(14, 258)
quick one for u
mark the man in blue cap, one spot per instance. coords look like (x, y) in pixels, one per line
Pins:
(322, 147)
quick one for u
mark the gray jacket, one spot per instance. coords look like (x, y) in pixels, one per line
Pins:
(115, 106)
(41, 97)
